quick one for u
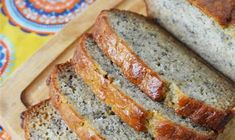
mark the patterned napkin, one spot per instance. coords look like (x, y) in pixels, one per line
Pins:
(27, 24)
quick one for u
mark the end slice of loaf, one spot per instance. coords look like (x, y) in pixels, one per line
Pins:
(68, 89)
(43, 122)
(195, 23)
(193, 89)
(161, 121)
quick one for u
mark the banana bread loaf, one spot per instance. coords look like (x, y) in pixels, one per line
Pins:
(161, 121)
(206, 26)
(68, 88)
(139, 47)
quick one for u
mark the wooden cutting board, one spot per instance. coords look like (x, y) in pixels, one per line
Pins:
(27, 86)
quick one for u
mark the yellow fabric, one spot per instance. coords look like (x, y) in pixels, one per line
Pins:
(26, 25)
(23, 32)
(24, 44)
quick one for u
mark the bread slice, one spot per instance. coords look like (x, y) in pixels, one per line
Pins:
(68, 89)
(193, 89)
(125, 107)
(43, 122)
(206, 26)
(161, 121)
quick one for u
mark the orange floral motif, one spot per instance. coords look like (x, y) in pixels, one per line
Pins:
(42, 16)
(4, 135)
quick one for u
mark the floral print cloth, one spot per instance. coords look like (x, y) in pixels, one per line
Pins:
(27, 24)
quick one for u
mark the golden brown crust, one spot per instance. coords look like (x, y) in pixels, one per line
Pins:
(223, 11)
(126, 108)
(132, 66)
(25, 116)
(203, 114)
(75, 122)
(166, 130)
(119, 52)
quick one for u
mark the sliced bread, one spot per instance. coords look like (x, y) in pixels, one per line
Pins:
(125, 107)
(94, 67)
(68, 89)
(206, 26)
(43, 122)
(192, 88)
